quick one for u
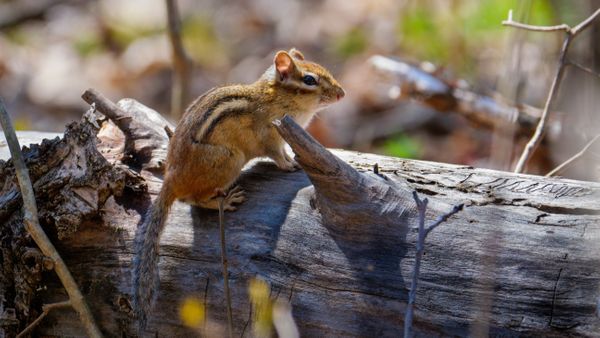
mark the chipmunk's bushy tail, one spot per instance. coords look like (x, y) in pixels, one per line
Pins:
(145, 262)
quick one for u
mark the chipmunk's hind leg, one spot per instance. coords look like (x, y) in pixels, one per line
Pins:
(234, 196)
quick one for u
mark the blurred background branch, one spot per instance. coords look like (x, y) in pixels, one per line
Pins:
(413, 82)
(17, 12)
(182, 64)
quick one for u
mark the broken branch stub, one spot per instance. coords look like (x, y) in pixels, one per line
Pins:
(358, 206)
(145, 137)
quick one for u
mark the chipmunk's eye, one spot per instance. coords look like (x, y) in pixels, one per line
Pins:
(309, 80)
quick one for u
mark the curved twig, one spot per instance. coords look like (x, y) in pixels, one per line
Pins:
(30, 217)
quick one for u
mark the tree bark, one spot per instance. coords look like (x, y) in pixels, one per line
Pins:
(343, 263)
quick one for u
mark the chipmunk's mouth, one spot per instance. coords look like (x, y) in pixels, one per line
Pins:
(332, 97)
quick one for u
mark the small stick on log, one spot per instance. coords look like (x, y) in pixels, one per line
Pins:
(573, 158)
(423, 232)
(225, 267)
(571, 33)
(32, 225)
(45, 310)
(182, 64)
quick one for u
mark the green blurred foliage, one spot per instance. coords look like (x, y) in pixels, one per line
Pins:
(454, 34)
(402, 146)
(422, 34)
(88, 44)
(17, 35)
(22, 124)
(202, 43)
(352, 43)
(124, 34)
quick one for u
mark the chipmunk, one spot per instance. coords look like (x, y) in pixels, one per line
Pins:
(219, 133)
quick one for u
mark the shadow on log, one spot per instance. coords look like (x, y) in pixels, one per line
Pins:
(339, 249)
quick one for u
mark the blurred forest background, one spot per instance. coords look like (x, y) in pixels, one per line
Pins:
(52, 50)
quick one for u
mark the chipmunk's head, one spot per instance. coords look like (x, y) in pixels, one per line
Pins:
(306, 80)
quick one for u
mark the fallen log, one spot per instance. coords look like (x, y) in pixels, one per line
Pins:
(336, 240)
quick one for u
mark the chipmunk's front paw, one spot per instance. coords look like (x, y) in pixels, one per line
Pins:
(235, 196)
(288, 165)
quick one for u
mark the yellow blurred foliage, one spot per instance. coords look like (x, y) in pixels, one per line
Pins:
(262, 307)
(192, 312)
(22, 124)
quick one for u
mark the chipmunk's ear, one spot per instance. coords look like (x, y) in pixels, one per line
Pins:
(297, 54)
(284, 65)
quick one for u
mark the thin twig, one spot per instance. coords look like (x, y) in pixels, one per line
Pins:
(182, 65)
(423, 232)
(570, 161)
(225, 266)
(511, 23)
(45, 310)
(571, 33)
(32, 224)
(583, 68)
(585, 23)
(536, 139)
(443, 218)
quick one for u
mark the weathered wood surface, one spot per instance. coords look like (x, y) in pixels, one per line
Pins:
(543, 233)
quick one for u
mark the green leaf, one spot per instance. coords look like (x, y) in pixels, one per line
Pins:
(403, 146)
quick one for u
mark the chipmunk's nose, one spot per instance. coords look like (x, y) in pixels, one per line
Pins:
(340, 93)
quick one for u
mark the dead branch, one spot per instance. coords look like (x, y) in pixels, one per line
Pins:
(182, 64)
(571, 33)
(32, 225)
(433, 91)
